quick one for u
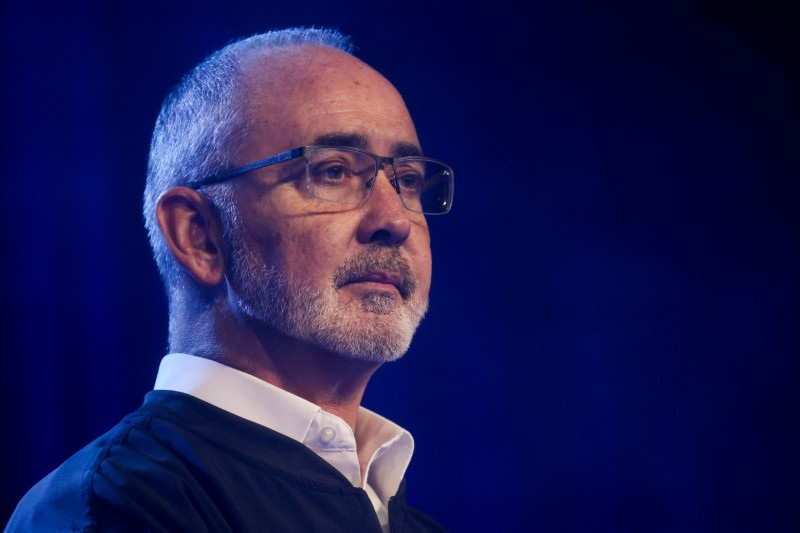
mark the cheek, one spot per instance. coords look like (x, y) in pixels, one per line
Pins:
(302, 245)
(420, 256)
(424, 273)
(313, 249)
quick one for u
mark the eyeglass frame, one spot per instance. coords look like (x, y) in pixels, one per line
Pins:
(303, 151)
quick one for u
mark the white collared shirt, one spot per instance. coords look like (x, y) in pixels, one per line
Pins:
(385, 446)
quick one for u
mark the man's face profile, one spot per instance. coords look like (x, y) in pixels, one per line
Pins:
(352, 280)
(288, 287)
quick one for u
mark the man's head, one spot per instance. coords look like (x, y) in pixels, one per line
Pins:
(350, 279)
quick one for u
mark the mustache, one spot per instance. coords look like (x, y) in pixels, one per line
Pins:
(376, 258)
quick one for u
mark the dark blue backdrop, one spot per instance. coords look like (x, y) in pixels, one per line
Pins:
(613, 338)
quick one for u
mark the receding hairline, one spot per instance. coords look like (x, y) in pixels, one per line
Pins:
(272, 68)
(270, 80)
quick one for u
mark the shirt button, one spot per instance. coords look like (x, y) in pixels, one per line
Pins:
(327, 434)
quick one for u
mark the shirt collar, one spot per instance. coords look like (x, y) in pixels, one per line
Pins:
(382, 444)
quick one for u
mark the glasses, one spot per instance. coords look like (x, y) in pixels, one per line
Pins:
(347, 175)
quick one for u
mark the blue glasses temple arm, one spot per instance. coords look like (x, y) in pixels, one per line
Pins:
(238, 171)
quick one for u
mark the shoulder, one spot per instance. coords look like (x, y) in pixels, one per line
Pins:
(177, 464)
(64, 499)
(120, 481)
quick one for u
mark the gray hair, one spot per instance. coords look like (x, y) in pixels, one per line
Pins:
(201, 124)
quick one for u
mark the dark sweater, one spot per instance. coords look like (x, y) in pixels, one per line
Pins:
(181, 464)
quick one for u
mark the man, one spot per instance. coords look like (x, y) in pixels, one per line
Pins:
(296, 262)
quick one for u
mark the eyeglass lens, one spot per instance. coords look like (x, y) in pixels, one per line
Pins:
(346, 176)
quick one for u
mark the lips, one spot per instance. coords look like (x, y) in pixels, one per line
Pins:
(387, 278)
(377, 265)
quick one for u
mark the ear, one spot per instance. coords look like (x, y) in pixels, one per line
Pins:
(191, 229)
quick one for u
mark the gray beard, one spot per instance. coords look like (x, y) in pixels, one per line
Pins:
(371, 329)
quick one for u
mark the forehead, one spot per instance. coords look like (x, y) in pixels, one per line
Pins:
(299, 94)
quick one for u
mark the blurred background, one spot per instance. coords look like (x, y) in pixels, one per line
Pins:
(612, 343)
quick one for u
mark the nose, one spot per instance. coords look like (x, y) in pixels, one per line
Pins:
(385, 219)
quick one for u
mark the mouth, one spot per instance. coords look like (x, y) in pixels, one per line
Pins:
(379, 268)
(393, 279)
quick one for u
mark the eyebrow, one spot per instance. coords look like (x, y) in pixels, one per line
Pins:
(352, 140)
(406, 149)
(357, 140)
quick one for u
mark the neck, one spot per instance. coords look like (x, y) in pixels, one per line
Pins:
(336, 383)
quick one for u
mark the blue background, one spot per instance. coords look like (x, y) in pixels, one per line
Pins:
(613, 337)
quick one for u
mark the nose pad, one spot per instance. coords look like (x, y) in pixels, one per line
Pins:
(388, 171)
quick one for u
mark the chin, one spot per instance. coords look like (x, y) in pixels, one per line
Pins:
(377, 326)
(378, 337)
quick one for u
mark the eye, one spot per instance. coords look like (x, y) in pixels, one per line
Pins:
(410, 182)
(334, 172)
(410, 176)
(331, 173)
